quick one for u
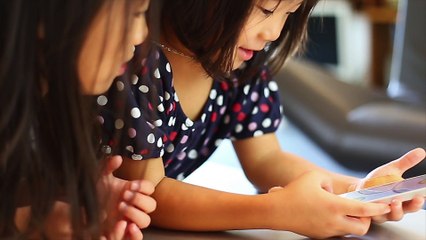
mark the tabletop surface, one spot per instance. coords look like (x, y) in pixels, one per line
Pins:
(411, 227)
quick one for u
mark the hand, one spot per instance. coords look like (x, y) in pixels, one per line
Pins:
(307, 206)
(125, 200)
(392, 172)
(119, 232)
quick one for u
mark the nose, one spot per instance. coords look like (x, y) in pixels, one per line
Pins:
(272, 29)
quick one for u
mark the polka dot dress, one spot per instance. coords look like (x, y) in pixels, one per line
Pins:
(143, 119)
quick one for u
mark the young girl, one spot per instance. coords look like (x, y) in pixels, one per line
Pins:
(53, 181)
(214, 81)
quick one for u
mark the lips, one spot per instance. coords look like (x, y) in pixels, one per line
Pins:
(245, 54)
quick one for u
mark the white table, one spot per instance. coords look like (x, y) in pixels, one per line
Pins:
(411, 227)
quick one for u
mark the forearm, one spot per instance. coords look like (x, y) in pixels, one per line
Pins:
(283, 167)
(188, 207)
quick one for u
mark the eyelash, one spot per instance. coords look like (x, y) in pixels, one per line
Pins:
(266, 11)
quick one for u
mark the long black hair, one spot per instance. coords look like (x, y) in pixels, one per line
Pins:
(210, 29)
(48, 146)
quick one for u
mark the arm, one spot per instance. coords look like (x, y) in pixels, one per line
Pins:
(184, 206)
(150, 169)
(262, 156)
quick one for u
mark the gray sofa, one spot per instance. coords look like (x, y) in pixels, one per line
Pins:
(362, 128)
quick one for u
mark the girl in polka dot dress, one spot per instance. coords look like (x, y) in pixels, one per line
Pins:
(208, 78)
(53, 182)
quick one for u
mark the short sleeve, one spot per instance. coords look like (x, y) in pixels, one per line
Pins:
(257, 109)
(127, 130)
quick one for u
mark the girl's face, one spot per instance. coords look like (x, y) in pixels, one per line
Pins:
(263, 25)
(104, 54)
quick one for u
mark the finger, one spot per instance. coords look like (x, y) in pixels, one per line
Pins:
(274, 189)
(142, 186)
(141, 201)
(409, 160)
(356, 226)
(397, 212)
(112, 164)
(134, 232)
(118, 231)
(140, 218)
(362, 209)
(414, 204)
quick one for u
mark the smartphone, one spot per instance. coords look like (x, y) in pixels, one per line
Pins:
(405, 189)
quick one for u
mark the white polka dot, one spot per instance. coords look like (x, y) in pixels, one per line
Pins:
(176, 98)
(170, 148)
(136, 157)
(162, 152)
(210, 108)
(151, 138)
(157, 73)
(102, 100)
(218, 142)
(180, 177)
(213, 94)
(119, 124)
(193, 154)
(266, 92)
(203, 117)
(267, 123)
(135, 112)
(189, 122)
(184, 127)
(168, 69)
(171, 122)
(255, 110)
(119, 85)
(158, 123)
(130, 149)
(167, 95)
(106, 149)
(160, 107)
(219, 100)
(159, 142)
(134, 79)
(258, 133)
(238, 128)
(273, 86)
(246, 89)
(144, 88)
(203, 132)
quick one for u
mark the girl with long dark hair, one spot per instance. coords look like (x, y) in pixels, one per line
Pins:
(55, 181)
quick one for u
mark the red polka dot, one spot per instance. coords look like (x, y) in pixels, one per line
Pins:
(150, 106)
(173, 135)
(241, 116)
(144, 151)
(214, 117)
(224, 86)
(237, 107)
(264, 108)
(144, 70)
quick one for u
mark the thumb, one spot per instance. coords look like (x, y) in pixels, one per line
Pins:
(409, 160)
(112, 164)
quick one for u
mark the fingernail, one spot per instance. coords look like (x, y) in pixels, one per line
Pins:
(128, 195)
(122, 206)
(134, 186)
